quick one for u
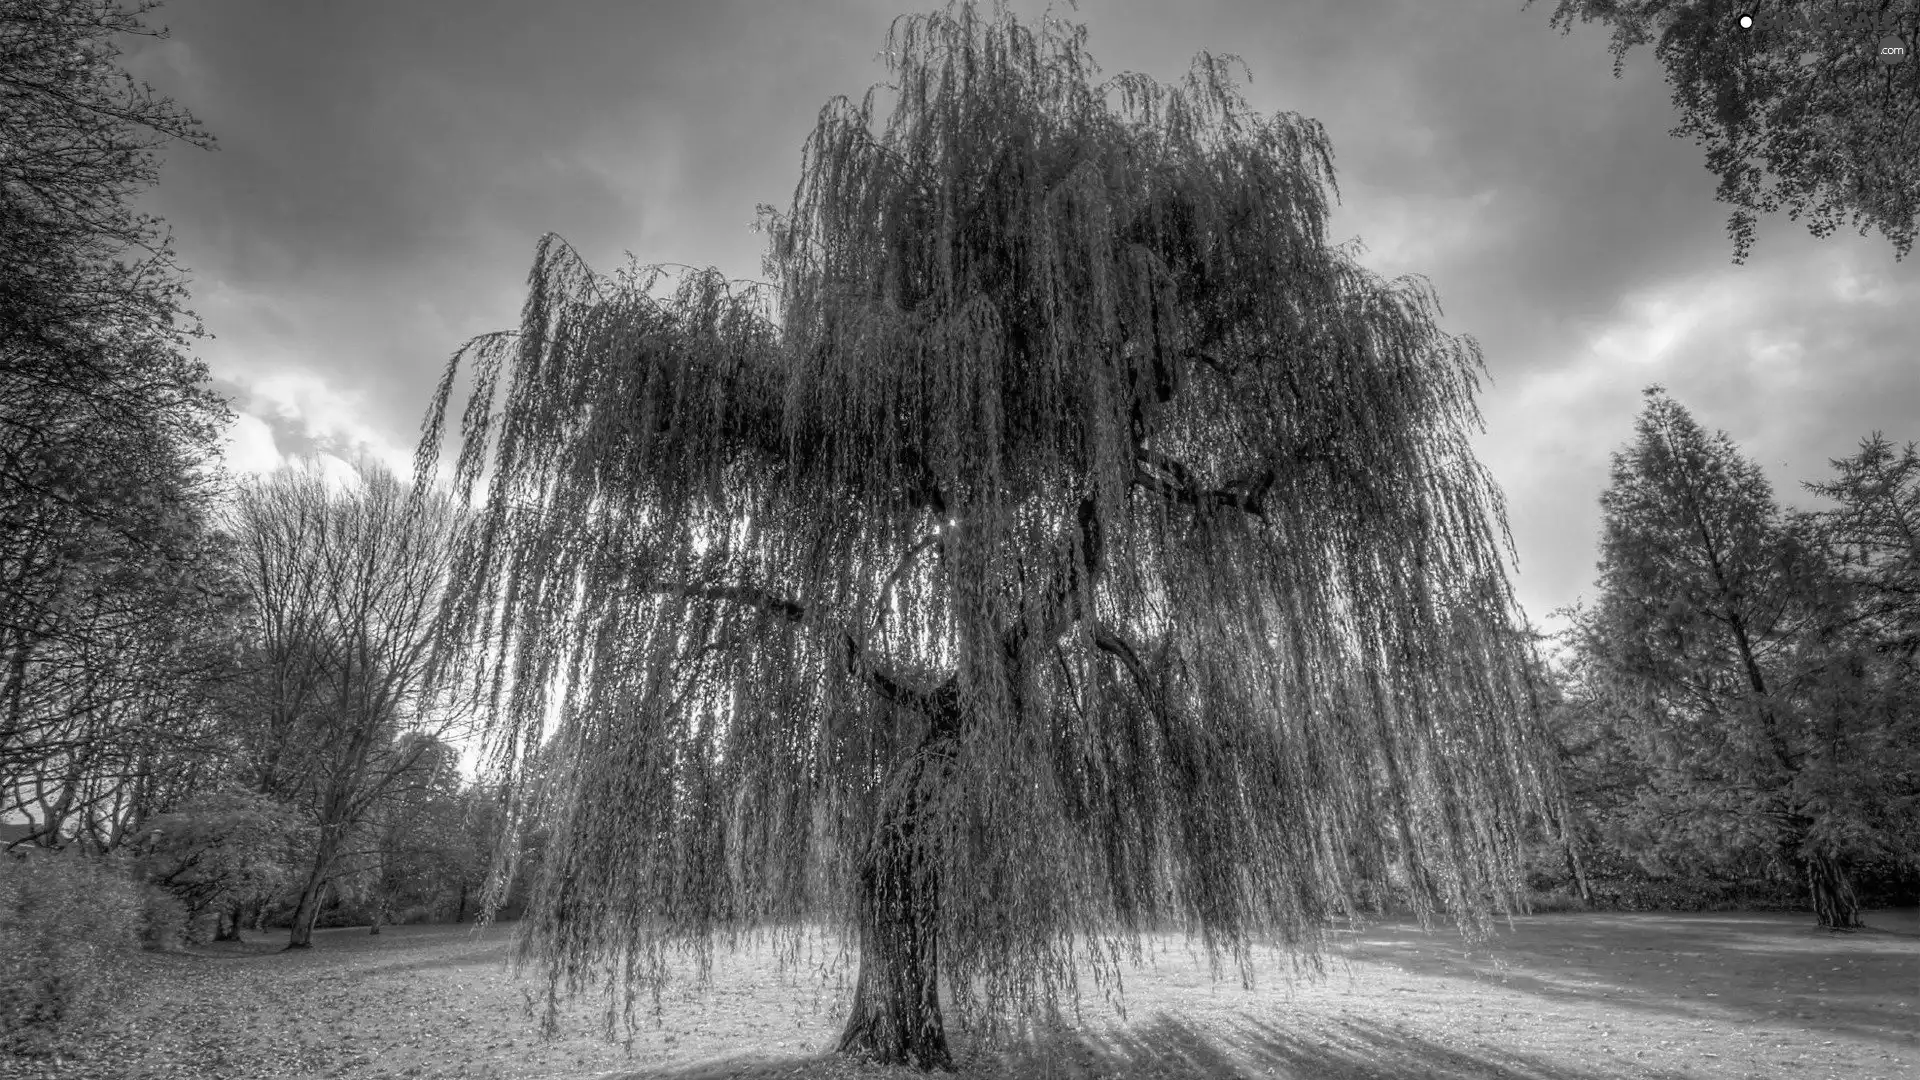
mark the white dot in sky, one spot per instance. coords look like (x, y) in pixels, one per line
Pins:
(1746, 22)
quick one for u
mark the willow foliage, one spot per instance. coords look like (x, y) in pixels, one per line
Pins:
(1066, 504)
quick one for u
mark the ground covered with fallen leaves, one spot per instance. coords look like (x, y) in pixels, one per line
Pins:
(1575, 996)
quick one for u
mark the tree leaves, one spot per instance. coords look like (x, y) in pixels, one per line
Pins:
(1796, 112)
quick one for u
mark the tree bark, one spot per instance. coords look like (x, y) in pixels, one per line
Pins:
(307, 911)
(1834, 902)
(896, 1000)
(1578, 870)
(382, 912)
(1576, 866)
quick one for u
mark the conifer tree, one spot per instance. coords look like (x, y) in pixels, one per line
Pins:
(1720, 630)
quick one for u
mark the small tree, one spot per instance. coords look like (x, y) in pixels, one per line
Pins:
(1796, 111)
(1066, 563)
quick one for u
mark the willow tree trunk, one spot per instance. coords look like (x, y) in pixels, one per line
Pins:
(896, 997)
(1834, 902)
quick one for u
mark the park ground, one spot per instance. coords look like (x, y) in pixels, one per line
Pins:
(1572, 996)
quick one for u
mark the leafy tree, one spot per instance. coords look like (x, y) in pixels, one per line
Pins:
(1065, 563)
(1795, 112)
(75, 259)
(1720, 632)
(98, 405)
(106, 426)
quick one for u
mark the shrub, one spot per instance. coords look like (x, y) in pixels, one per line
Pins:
(66, 923)
(219, 851)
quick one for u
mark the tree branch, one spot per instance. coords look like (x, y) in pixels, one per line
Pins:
(1248, 493)
(856, 662)
(740, 594)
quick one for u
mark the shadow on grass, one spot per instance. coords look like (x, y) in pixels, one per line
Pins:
(1699, 967)
(424, 947)
(1166, 1048)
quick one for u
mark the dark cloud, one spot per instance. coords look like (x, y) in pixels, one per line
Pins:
(385, 170)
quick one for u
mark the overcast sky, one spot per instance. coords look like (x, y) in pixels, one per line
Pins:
(385, 169)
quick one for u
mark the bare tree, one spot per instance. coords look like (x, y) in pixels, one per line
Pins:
(345, 583)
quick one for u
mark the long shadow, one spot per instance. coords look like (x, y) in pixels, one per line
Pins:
(474, 952)
(439, 946)
(1166, 1048)
(1699, 967)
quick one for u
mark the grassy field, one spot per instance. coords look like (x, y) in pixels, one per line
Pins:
(1563, 996)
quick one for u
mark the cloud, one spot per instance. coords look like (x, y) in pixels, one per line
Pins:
(385, 170)
(1796, 359)
(250, 446)
(310, 417)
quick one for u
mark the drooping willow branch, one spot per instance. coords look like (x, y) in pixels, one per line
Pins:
(1166, 507)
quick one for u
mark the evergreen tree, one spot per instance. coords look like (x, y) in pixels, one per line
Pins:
(1875, 535)
(1873, 538)
(1719, 632)
(1069, 545)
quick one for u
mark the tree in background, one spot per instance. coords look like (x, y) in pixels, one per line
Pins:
(1875, 536)
(417, 836)
(1872, 536)
(345, 584)
(107, 428)
(1796, 112)
(105, 711)
(220, 852)
(1719, 634)
(1067, 563)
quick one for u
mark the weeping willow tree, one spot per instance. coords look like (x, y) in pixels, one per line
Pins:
(1066, 544)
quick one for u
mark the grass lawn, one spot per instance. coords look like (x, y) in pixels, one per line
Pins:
(1562, 996)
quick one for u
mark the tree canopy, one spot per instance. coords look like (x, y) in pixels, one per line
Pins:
(1066, 543)
(1796, 111)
